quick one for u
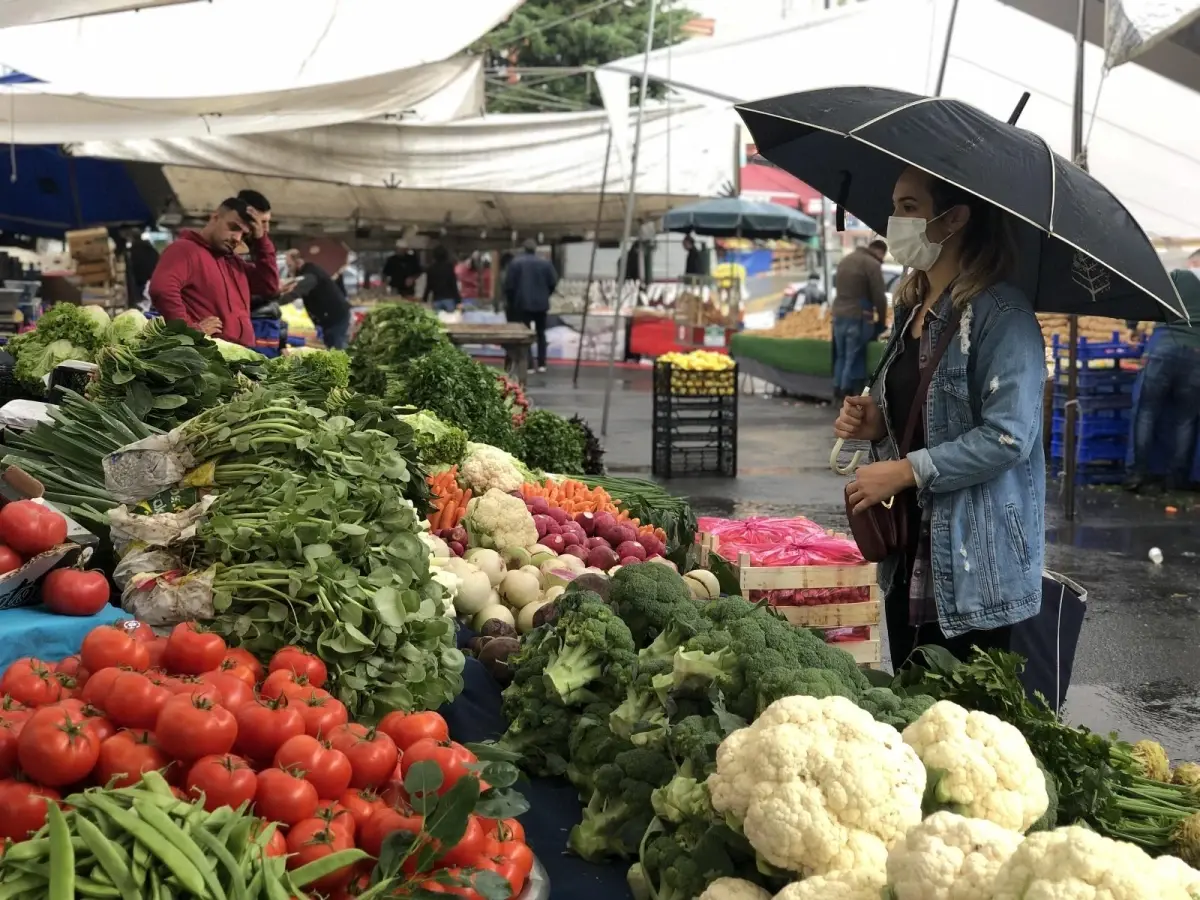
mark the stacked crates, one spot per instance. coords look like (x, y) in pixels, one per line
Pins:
(1107, 373)
(695, 422)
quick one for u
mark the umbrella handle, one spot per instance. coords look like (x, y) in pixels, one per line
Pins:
(855, 460)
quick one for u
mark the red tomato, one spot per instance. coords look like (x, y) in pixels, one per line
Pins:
(518, 854)
(134, 701)
(71, 665)
(30, 528)
(98, 723)
(337, 817)
(327, 769)
(453, 759)
(284, 797)
(372, 754)
(361, 805)
(73, 705)
(504, 830)
(232, 692)
(225, 780)
(96, 690)
(383, 823)
(239, 655)
(139, 631)
(190, 727)
(301, 662)
(9, 732)
(156, 648)
(55, 748)
(507, 870)
(285, 683)
(277, 844)
(461, 888)
(10, 560)
(311, 840)
(125, 756)
(13, 710)
(393, 793)
(75, 592)
(31, 682)
(405, 729)
(113, 646)
(468, 848)
(262, 728)
(191, 651)
(192, 686)
(24, 808)
(321, 711)
(240, 671)
(359, 885)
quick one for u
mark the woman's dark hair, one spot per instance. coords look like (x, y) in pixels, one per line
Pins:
(440, 254)
(987, 248)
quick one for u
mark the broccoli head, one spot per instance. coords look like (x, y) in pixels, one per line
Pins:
(651, 598)
(680, 799)
(591, 745)
(680, 862)
(693, 744)
(642, 711)
(892, 709)
(620, 808)
(595, 650)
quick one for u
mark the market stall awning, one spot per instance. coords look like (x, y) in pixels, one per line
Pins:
(43, 114)
(1134, 27)
(32, 12)
(1147, 153)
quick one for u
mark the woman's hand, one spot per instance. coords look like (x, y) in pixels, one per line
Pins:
(860, 420)
(878, 482)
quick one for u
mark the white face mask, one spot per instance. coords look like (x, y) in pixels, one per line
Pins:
(910, 245)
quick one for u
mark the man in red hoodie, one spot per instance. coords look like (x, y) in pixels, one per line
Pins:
(201, 280)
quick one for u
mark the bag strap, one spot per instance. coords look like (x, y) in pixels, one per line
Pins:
(918, 404)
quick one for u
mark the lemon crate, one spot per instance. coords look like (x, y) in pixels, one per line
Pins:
(675, 383)
(758, 580)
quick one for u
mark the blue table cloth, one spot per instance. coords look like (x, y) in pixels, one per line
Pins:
(35, 631)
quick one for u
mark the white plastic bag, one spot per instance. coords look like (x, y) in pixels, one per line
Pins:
(168, 598)
(147, 467)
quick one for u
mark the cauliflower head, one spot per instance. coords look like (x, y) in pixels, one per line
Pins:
(984, 767)
(1075, 863)
(819, 786)
(734, 889)
(835, 886)
(1173, 870)
(486, 467)
(499, 521)
(949, 857)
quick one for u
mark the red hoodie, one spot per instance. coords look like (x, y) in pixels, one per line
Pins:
(192, 282)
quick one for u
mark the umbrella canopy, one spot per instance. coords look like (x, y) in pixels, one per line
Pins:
(1080, 249)
(735, 217)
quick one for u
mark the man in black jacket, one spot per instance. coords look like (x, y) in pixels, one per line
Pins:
(528, 284)
(323, 300)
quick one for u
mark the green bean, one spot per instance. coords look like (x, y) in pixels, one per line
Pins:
(208, 841)
(161, 822)
(35, 849)
(85, 887)
(256, 884)
(276, 869)
(98, 874)
(32, 867)
(140, 862)
(111, 858)
(62, 856)
(190, 876)
(326, 865)
(21, 885)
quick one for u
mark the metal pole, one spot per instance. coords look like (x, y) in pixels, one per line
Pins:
(630, 200)
(587, 291)
(1070, 444)
(946, 49)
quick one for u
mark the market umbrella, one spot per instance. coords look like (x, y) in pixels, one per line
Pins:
(735, 217)
(1081, 250)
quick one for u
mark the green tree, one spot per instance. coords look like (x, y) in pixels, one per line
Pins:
(558, 34)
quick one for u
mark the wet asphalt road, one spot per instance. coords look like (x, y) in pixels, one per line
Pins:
(1137, 666)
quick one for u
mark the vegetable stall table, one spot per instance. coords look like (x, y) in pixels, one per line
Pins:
(800, 366)
(514, 338)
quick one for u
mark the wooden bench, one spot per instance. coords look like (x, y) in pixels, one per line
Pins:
(513, 337)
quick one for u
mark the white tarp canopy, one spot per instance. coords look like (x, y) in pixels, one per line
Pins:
(37, 114)
(1143, 141)
(31, 12)
(1133, 27)
(225, 48)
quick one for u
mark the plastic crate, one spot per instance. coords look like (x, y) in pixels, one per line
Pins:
(12, 389)
(1096, 403)
(1099, 380)
(1089, 350)
(687, 383)
(681, 456)
(1104, 423)
(1111, 472)
(1099, 449)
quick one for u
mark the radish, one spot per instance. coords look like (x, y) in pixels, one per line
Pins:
(561, 516)
(542, 524)
(457, 549)
(624, 533)
(577, 551)
(587, 522)
(603, 558)
(604, 520)
(631, 549)
(555, 543)
(630, 561)
(593, 542)
(538, 505)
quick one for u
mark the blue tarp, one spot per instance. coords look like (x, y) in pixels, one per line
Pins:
(54, 192)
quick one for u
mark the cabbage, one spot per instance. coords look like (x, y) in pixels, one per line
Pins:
(232, 352)
(36, 362)
(99, 319)
(125, 327)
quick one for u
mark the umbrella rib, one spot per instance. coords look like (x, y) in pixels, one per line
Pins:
(1013, 213)
(1053, 181)
(898, 109)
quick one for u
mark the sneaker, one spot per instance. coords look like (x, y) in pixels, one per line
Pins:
(541, 368)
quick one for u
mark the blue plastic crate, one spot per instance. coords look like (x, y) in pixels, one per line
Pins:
(1092, 426)
(1089, 350)
(1098, 379)
(1097, 449)
(1092, 405)
(297, 342)
(1095, 473)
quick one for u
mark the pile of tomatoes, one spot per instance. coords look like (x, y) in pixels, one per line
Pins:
(217, 723)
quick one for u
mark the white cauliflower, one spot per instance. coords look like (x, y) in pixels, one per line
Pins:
(948, 857)
(819, 786)
(835, 886)
(1074, 863)
(486, 467)
(1174, 870)
(985, 768)
(734, 889)
(499, 521)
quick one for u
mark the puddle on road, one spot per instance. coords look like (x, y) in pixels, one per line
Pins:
(1166, 711)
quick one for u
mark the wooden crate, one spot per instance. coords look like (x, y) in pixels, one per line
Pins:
(833, 615)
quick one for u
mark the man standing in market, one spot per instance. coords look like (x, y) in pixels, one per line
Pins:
(324, 301)
(401, 270)
(860, 312)
(202, 281)
(528, 284)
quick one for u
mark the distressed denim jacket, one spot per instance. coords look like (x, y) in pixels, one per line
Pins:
(983, 472)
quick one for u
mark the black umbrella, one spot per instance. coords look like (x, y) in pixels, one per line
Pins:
(1081, 251)
(735, 217)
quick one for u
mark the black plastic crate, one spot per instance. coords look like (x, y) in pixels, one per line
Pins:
(693, 458)
(73, 375)
(691, 384)
(12, 389)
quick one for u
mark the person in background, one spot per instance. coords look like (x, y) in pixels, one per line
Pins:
(814, 294)
(324, 301)
(859, 308)
(441, 282)
(401, 270)
(200, 279)
(142, 260)
(259, 204)
(695, 264)
(528, 284)
(1171, 388)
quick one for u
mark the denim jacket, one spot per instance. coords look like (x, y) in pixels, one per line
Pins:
(983, 472)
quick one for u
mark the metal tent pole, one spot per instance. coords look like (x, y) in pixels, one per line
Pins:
(941, 80)
(1070, 443)
(630, 200)
(587, 291)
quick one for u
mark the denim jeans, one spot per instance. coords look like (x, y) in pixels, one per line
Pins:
(445, 305)
(851, 334)
(1170, 386)
(336, 336)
